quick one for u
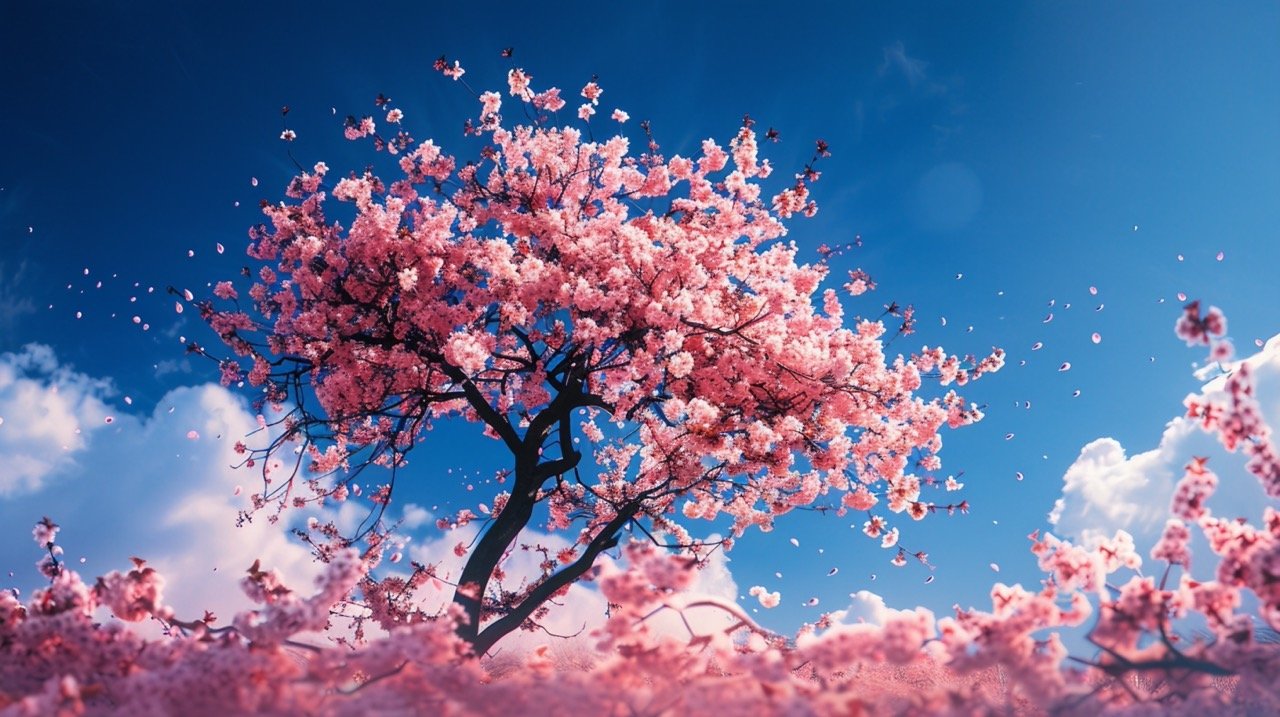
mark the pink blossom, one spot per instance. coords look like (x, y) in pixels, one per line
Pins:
(518, 84)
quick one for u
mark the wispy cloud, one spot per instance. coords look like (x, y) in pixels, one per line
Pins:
(897, 60)
(14, 302)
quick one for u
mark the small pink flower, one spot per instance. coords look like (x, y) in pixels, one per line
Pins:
(518, 83)
(549, 100)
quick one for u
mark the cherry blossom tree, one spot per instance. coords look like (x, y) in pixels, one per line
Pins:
(556, 288)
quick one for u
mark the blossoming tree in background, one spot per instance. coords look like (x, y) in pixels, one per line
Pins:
(557, 288)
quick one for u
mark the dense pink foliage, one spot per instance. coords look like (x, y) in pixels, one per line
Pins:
(577, 299)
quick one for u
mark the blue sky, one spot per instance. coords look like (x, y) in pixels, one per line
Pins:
(991, 161)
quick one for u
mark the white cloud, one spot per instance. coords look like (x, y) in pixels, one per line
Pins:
(138, 486)
(134, 486)
(1106, 490)
(864, 606)
(48, 412)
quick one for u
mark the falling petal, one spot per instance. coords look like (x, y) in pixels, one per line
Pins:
(253, 181)
(832, 571)
(192, 435)
(1257, 342)
(128, 401)
(220, 248)
(79, 315)
(995, 567)
(1008, 436)
(959, 276)
(137, 319)
(1048, 318)
(795, 542)
(1180, 257)
(928, 580)
(1093, 291)
(1182, 296)
(1067, 305)
(186, 294)
(811, 602)
(1019, 475)
(1037, 346)
(1075, 393)
(1097, 337)
(1066, 366)
(237, 491)
(1052, 302)
(177, 306)
(1220, 255)
(109, 420)
(944, 321)
(190, 253)
(1099, 307)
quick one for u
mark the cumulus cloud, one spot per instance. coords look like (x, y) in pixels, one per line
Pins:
(139, 484)
(48, 414)
(123, 484)
(1106, 489)
(866, 607)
